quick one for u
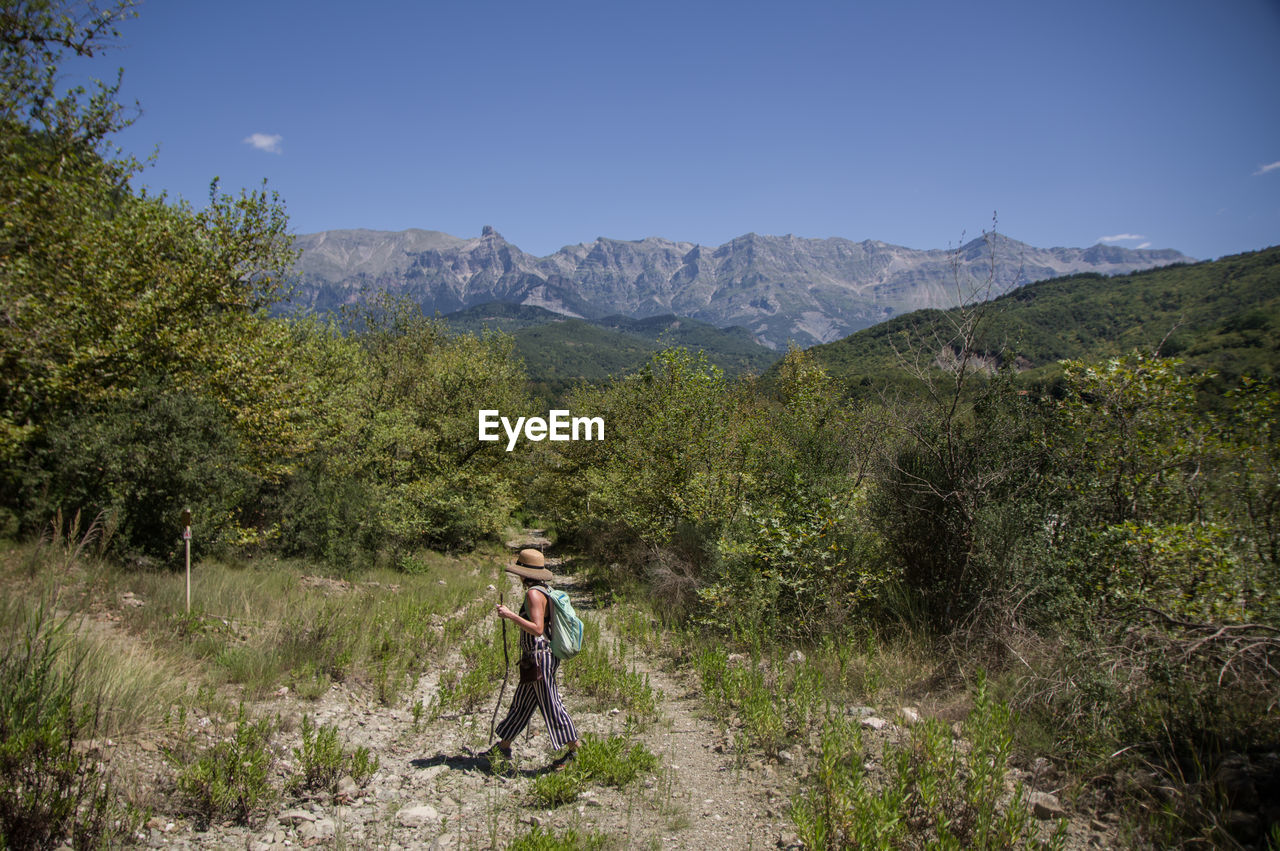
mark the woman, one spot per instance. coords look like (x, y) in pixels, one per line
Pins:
(537, 665)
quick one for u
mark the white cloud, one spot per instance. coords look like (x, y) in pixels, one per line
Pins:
(265, 142)
(1268, 167)
(1145, 245)
(1121, 237)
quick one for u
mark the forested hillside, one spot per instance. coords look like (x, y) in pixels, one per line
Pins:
(559, 352)
(1221, 316)
(1065, 596)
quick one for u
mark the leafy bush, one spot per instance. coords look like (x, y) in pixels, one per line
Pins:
(52, 788)
(232, 777)
(140, 459)
(538, 839)
(322, 761)
(935, 792)
(615, 761)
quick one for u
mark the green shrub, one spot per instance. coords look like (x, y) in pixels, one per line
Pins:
(140, 459)
(615, 761)
(231, 778)
(322, 760)
(934, 792)
(52, 789)
(558, 787)
(538, 839)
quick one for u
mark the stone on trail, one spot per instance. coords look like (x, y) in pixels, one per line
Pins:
(873, 723)
(295, 816)
(1046, 806)
(417, 816)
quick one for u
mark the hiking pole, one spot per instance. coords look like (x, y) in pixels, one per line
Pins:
(506, 672)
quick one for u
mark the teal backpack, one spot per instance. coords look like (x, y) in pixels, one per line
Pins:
(566, 626)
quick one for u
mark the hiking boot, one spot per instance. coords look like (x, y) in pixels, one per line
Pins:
(565, 760)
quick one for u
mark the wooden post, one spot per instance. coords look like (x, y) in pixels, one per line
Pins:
(186, 538)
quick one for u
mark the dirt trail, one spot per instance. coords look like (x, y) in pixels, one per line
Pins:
(432, 792)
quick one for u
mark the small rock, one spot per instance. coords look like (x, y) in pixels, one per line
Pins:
(755, 765)
(874, 723)
(417, 816)
(1046, 806)
(786, 757)
(295, 816)
(282, 691)
(796, 657)
(347, 787)
(910, 715)
(789, 839)
(859, 711)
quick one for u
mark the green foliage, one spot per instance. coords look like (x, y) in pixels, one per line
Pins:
(138, 460)
(557, 788)
(934, 793)
(232, 777)
(601, 673)
(673, 456)
(560, 353)
(105, 289)
(614, 761)
(1226, 314)
(465, 688)
(52, 788)
(397, 464)
(538, 839)
(322, 761)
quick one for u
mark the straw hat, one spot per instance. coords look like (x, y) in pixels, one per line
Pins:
(529, 564)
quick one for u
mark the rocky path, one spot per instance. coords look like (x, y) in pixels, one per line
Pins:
(432, 792)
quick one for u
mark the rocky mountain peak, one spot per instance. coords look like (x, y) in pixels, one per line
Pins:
(782, 289)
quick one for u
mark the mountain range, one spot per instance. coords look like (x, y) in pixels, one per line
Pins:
(781, 289)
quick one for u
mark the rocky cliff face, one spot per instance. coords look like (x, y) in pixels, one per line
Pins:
(781, 288)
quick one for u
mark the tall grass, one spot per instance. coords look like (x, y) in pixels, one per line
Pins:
(52, 786)
(263, 626)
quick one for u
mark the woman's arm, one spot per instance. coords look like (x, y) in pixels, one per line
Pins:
(535, 624)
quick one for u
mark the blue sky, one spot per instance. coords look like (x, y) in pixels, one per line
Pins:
(1142, 123)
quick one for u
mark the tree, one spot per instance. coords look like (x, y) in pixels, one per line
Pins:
(104, 289)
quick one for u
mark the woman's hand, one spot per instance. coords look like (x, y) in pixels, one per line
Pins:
(504, 612)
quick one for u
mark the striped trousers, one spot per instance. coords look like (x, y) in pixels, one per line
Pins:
(541, 695)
